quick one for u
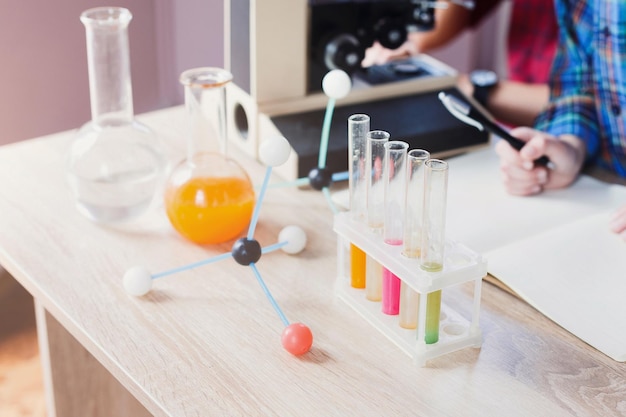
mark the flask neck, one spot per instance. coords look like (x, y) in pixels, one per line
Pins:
(205, 102)
(108, 60)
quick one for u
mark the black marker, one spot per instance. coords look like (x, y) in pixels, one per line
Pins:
(469, 114)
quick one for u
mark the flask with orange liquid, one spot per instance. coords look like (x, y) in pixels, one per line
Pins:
(209, 197)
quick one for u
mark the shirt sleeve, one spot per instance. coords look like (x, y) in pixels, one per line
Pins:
(571, 109)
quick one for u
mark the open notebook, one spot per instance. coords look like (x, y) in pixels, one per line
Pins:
(554, 250)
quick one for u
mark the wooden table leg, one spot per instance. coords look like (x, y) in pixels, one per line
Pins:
(76, 383)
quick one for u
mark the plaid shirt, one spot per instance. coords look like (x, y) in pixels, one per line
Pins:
(531, 41)
(588, 80)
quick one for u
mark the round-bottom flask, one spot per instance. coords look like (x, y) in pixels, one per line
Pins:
(114, 171)
(116, 164)
(209, 197)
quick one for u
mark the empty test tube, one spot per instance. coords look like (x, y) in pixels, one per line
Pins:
(375, 191)
(394, 177)
(435, 201)
(412, 238)
(375, 155)
(433, 237)
(414, 209)
(358, 128)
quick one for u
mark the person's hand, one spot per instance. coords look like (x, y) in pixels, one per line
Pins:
(618, 222)
(378, 54)
(522, 177)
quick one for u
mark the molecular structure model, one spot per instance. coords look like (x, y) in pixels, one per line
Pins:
(336, 84)
(296, 338)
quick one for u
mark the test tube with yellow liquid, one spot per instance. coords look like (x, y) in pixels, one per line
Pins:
(358, 128)
(412, 239)
(375, 190)
(433, 237)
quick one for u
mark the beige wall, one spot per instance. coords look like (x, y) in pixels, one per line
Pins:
(43, 64)
(43, 71)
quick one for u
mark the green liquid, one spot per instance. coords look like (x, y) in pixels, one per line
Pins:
(431, 266)
(433, 310)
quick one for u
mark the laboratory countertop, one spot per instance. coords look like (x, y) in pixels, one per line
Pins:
(206, 342)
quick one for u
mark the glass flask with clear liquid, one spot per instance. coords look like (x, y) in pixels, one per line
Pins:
(209, 197)
(115, 165)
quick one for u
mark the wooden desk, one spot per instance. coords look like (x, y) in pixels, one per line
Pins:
(206, 342)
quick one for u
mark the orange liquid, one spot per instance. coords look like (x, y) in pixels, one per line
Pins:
(357, 267)
(208, 210)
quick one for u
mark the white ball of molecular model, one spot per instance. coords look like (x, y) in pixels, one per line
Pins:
(137, 281)
(274, 151)
(336, 84)
(295, 238)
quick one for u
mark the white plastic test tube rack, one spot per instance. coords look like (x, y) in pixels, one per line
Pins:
(461, 265)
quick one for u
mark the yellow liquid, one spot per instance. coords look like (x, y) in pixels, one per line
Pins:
(412, 253)
(373, 279)
(209, 210)
(409, 307)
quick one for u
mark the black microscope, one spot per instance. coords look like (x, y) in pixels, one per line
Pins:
(287, 60)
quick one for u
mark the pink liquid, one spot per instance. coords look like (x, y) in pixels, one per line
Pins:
(393, 242)
(391, 293)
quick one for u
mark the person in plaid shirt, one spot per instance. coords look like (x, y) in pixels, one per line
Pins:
(583, 125)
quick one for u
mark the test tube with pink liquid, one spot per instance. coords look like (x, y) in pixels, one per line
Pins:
(394, 178)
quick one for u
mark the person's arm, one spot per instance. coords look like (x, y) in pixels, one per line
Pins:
(567, 131)
(449, 23)
(516, 103)
(512, 102)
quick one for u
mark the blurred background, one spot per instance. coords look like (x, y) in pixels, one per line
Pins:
(43, 76)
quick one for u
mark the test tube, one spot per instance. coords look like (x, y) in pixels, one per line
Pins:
(375, 191)
(373, 280)
(375, 155)
(358, 128)
(433, 237)
(412, 238)
(394, 177)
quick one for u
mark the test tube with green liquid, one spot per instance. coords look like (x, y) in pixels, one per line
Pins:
(394, 177)
(433, 237)
(375, 190)
(358, 128)
(412, 238)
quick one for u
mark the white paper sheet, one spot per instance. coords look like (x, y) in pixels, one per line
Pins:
(575, 275)
(555, 250)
